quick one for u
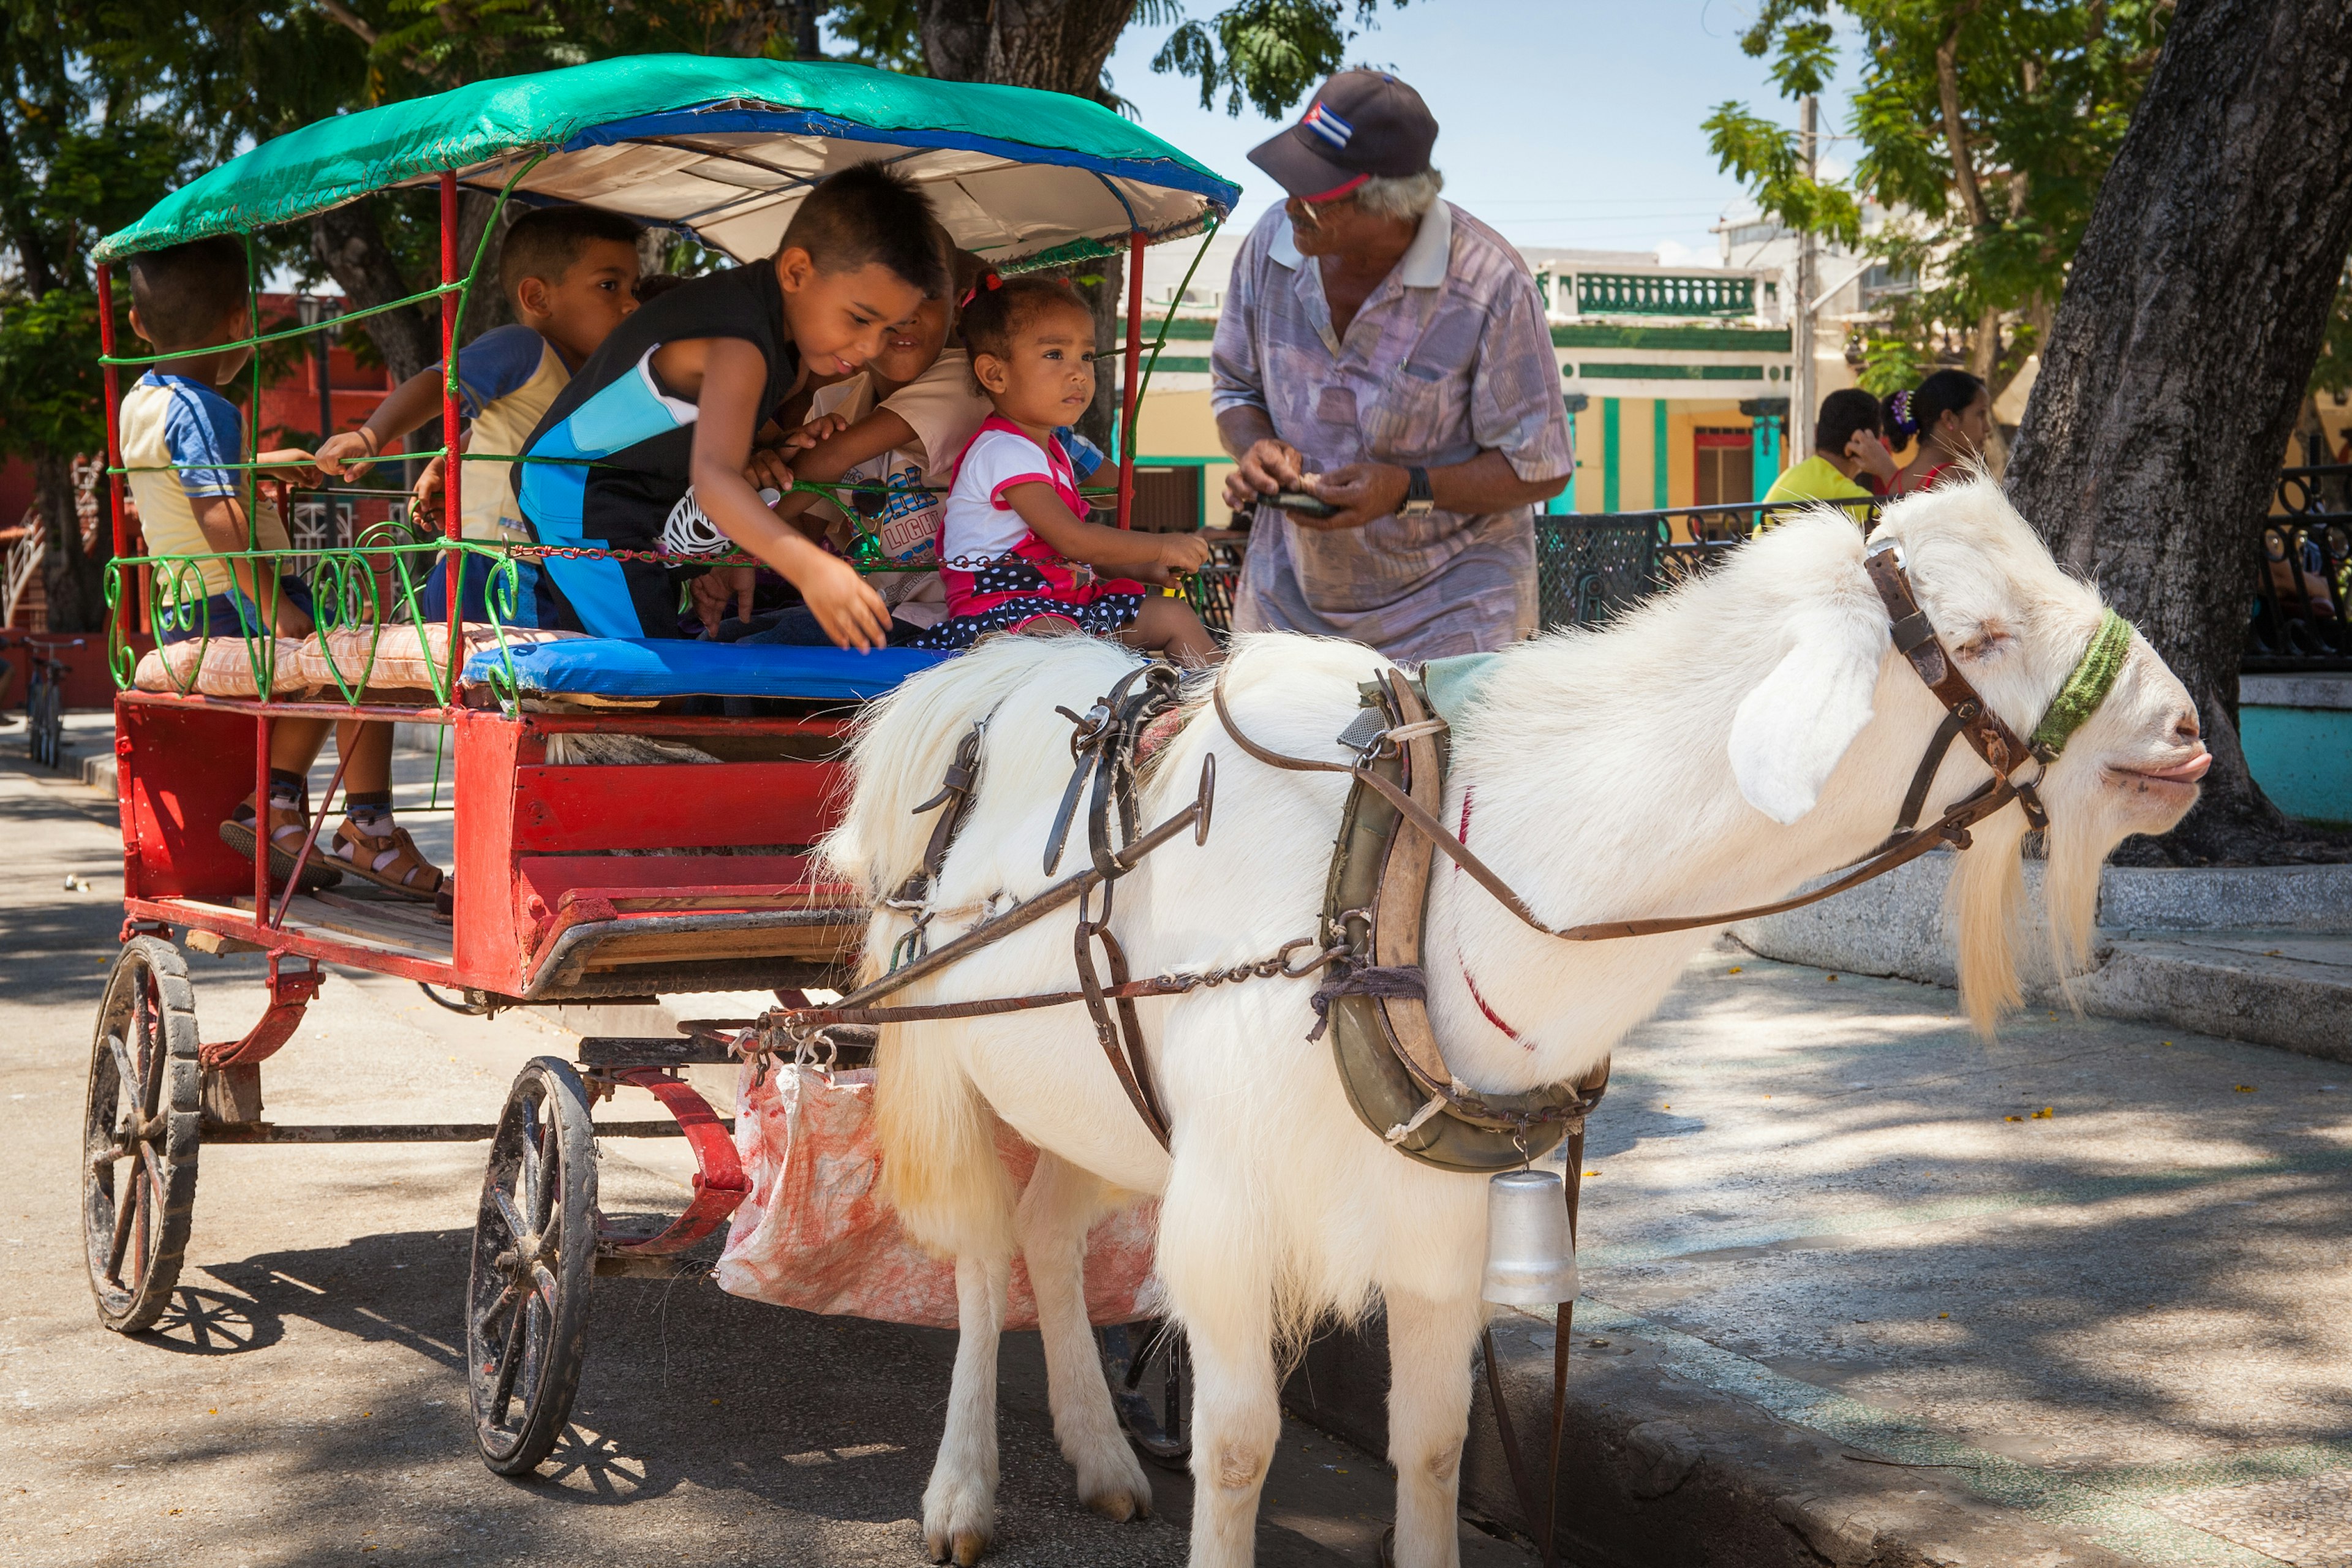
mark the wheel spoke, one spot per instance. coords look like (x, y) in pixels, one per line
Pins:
(542, 1281)
(488, 1315)
(527, 1184)
(508, 1216)
(126, 1075)
(542, 1194)
(510, 1362)
(151, 1050)
(126, 1206)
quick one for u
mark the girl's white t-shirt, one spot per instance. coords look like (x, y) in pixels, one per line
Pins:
(980, 524)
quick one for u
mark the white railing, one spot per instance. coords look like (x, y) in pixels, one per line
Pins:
(21, 564)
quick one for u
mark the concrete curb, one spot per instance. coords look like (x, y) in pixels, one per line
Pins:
(2197, 949)
(1661, 1472)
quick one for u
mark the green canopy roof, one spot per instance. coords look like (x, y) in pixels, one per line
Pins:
(723, 148)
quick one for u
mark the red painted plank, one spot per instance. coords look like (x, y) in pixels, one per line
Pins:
(672, 806)
(488, 946)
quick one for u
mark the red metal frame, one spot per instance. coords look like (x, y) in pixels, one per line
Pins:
(719, 1186)
(1131, 399)
(452, 517)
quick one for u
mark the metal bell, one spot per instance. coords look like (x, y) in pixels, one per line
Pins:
(1530, 1254)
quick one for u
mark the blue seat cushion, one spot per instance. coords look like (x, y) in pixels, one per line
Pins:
(674, 667)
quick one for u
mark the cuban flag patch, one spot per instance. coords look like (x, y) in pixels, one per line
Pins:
(1328, 125)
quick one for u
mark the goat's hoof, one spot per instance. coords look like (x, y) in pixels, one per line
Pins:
(1115, 1485)
(957, 1523)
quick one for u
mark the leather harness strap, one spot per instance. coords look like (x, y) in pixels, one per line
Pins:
(1968, 715)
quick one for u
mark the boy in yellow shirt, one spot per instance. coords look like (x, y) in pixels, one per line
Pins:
(571, 275)
(183, 443)
(1847, 446)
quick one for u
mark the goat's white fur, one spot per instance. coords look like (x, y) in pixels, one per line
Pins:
(1712, 750)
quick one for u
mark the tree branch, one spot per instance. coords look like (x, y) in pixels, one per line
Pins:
(338, 12)
(1956, 134)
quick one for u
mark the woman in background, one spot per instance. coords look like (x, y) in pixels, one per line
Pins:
(1950, 413)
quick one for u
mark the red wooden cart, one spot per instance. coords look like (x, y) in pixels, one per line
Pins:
(576, 879)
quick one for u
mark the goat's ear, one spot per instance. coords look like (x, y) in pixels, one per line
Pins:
(1791, 730)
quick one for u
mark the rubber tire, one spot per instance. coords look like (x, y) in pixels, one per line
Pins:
(150, 1006)
(1132, 1354)
(548, 1110)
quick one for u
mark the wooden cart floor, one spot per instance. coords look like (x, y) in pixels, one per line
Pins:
(389, 923)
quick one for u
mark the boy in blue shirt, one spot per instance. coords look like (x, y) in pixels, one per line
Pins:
(184, 445)
(664, 412)
(571, 275)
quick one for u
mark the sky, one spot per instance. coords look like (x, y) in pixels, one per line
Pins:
(1573, 124)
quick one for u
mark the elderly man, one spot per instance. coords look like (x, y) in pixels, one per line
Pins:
(1384, 353)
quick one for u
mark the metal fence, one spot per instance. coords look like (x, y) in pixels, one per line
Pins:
(1590, 565)
(2303, 571)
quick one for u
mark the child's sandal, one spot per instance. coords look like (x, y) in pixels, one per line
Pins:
(287, 827)
(388, 859)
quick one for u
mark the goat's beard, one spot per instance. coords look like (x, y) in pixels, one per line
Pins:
(1986, 905)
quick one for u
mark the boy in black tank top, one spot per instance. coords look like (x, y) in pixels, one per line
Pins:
(672, 399)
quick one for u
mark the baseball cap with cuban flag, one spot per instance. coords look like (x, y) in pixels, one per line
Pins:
(1360, 123)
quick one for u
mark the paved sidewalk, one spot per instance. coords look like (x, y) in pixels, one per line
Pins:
(2102, 1264)
(304, 1400)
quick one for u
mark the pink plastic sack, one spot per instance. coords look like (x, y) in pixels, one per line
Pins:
(815, 1233)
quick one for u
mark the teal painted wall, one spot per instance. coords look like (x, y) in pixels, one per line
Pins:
(2302, 758)
(1658, 454)
(1609, 438)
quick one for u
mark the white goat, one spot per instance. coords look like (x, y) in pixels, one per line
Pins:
(1715, 749)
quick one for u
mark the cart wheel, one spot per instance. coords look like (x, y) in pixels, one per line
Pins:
(534, 1253)
(1151, 1386)
(138, 1135)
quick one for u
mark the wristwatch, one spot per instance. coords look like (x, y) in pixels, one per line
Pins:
(1418, 501)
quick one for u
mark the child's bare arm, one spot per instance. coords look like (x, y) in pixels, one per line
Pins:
(1149, 556)
(409, 406)
(733, 377)
(222, 519)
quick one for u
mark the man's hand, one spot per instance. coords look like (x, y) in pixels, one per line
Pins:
(347, 455)
(1264, 466)
(1871, 452)
(852, 614)
(1361, 494)
(719, 589)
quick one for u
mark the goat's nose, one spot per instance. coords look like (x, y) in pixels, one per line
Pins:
(2184, 727)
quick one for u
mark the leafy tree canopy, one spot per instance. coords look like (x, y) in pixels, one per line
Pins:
(1984, 128)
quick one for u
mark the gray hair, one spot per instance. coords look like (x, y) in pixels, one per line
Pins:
(1405, 196)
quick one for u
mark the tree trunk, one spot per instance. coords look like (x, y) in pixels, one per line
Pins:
(73, 580)
(351, 246)
(2180, 355)
(1057, 46)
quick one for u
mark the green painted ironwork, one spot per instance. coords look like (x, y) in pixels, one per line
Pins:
(1649, 294)
(1704, 340)
(1669, 371)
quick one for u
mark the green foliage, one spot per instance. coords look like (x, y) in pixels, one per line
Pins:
(2332, 376)
(1268, 54)
(1763, 156)
(1988, 205)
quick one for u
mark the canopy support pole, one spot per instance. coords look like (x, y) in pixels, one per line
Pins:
(453, 570)
(120, 614)
(1132, 392)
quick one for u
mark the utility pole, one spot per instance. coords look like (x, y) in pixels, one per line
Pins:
(1801, 396)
